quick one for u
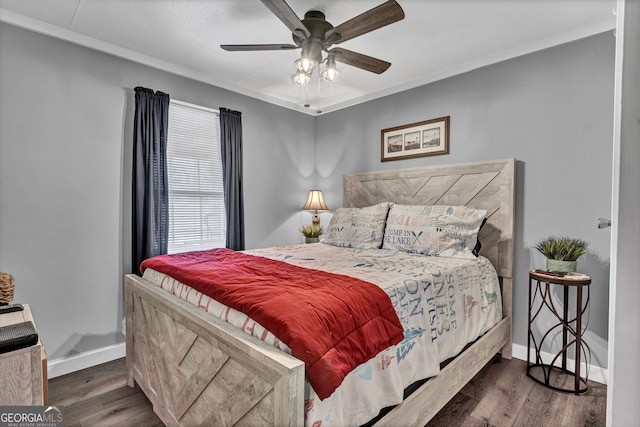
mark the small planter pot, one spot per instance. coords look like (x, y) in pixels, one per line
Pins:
(562, 266)
(311, 239)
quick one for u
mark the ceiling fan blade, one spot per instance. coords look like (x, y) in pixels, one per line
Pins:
(359, 60)
(281, 9)
(378, 17)
(250, 47)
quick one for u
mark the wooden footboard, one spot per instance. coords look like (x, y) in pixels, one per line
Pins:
(197, 370)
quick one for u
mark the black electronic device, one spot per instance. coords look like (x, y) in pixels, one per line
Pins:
(10, 308)
(17, 336)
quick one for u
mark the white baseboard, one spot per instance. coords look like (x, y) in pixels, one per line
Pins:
(78, 362)
(81, 361)
(596, 373)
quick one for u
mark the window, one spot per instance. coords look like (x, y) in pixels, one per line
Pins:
(196, 196)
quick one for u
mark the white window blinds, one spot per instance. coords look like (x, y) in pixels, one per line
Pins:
(196, 197)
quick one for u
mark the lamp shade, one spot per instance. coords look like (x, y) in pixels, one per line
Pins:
(315, 202)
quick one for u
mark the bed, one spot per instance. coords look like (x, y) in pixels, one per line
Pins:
(188, 362)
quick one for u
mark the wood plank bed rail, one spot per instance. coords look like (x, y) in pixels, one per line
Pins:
(422, 405)
(198, 370)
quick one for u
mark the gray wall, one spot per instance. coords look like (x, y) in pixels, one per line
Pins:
(552, 111)
(65, 146)
(624, 372)
(65, 154)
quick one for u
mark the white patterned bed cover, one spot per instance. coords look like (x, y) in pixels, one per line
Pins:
(443, 304)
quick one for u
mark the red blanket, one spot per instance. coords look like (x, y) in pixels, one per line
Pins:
(331, 322)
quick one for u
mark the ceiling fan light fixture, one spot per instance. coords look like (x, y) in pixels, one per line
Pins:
(315, 35)
(301, 78)
(331, 72)
(330, 75)
(306, 65)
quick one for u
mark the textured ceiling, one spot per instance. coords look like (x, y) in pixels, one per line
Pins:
(437, 39)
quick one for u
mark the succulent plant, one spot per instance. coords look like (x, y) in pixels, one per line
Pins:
(562, 248)
(313, 230)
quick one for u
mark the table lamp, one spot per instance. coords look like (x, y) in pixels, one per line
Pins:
(315, 202)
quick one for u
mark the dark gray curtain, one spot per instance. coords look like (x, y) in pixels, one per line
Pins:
(150, 202)
(231, 153)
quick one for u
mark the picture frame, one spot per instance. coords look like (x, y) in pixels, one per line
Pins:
(428, 138)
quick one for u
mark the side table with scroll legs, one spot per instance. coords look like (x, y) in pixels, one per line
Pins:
(571, 327)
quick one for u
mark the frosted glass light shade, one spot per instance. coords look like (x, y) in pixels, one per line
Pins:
(306, 65)
(330, 75)
(300, 78)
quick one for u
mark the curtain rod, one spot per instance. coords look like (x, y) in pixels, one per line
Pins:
(198, 107)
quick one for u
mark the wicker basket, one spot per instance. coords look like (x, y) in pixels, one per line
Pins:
(6, 288)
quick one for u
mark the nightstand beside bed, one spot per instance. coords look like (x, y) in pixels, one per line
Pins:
(23, 372)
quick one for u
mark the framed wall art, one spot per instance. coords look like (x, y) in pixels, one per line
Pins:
(428, 138)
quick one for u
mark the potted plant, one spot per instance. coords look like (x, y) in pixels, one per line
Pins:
(562, 253)
(312, 232)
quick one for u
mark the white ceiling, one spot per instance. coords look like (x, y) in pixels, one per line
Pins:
(437, 39)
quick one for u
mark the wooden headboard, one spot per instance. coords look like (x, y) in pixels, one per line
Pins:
(481, 185)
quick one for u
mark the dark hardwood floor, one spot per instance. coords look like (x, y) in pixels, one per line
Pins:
(99, 396)
(500, 395)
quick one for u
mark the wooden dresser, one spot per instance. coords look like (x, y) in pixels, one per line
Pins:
(23, 372)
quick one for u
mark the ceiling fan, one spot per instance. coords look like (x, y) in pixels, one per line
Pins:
(315, 35)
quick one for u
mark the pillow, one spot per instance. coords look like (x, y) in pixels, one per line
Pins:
(447, 231)
(361, 228)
